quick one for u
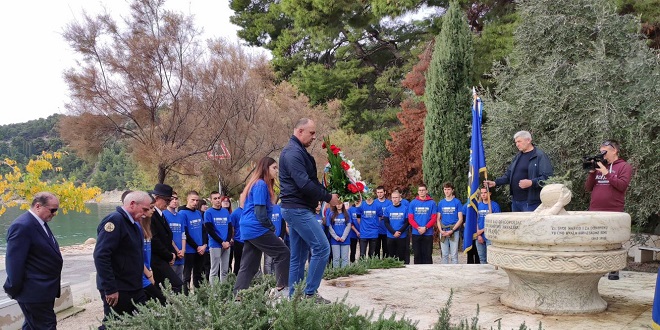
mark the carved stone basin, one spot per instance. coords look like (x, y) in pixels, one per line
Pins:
(555, 259)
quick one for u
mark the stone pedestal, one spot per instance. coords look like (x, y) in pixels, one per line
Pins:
(555, 261)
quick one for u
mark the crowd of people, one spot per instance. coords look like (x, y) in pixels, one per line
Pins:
(150, 238)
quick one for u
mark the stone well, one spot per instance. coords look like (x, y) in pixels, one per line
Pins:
(554, 258)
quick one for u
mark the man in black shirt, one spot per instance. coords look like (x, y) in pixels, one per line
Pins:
(529, 167)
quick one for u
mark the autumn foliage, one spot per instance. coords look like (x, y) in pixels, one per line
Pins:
(403, 168)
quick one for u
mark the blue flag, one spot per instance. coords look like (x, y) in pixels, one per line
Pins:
(477, 166)
(656, 304)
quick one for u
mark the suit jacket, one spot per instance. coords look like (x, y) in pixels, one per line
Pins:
(161, 242)
(33, 262)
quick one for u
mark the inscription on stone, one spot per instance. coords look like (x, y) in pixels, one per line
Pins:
(596, 233)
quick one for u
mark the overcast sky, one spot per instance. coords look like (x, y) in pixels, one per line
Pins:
(34, 54)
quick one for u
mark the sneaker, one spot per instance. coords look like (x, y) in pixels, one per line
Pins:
(317, 299)
(613, 276)
(276, 295)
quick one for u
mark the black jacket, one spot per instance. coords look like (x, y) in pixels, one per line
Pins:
(299, 184)
(161, 240)
(540, 168)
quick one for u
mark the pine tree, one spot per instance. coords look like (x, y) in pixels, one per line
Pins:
(447, 99)
(579, 74)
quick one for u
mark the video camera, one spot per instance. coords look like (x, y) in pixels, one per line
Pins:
(590, 162)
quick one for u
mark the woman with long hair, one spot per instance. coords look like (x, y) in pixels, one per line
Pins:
(258, 232)
(150, 290)
(339, 227)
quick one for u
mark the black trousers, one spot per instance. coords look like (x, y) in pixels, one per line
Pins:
(423, 249)
(193, 264)
(125, 304)
(38, 316)
(272, 246)
(154, 292)
(381, 244)
(163, 271)
(371, 243)
(473, 254)
(354, 242)
(235, 257)
(399, 249)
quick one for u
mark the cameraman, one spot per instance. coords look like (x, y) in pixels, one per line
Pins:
(608, 183)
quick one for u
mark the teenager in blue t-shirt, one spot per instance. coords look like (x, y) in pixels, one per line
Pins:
(396, 222)
(383, 202)
(176, 225)
(354, 236)
(276, 219)
(219, 230)
(236, 252)
(422, 215)
(484, 209)
(450, 211)
(370, 214)
(195, 247)
(258, 231)
(339, 226)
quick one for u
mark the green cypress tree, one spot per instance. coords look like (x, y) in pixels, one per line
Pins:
(448, 101)
(579, 74)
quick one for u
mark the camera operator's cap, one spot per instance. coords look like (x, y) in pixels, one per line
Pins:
(162, 190)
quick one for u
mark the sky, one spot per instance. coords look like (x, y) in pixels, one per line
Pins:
(35, 55)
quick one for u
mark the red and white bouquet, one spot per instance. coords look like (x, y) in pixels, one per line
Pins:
(341, 177)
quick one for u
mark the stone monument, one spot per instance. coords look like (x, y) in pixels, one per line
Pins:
(554, 258)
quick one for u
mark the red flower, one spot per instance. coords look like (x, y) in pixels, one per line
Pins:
(336, 151)
(323, 145)
(352, 188)
(333, 147)
(345, 165)
(359, 186)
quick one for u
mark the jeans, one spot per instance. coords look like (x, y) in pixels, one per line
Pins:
(449, 247)
(219, 264)
(271, 245)
(482, 248)
(339, 255)
(523, 206)
(371, 243)
(305, 234)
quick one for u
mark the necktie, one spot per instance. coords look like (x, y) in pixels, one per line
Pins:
(50, 233)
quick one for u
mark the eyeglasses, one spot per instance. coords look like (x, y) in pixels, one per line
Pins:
(53, 211)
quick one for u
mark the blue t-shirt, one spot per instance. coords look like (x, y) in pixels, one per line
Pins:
(449, 210)
(258, 195)
(339, 226)
(235, 219)
(369, 220)
(220, 220)
(398, 215)
(422, 212)
(483, 211)
(353, 212)
(405, 202)
(146, 254)
(319, 218)
(382, 230)
(176, 225)
(276, 218)
(193, 224)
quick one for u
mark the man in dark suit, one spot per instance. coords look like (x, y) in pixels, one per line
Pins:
(118, 256)
(34, 263)
(163, 253)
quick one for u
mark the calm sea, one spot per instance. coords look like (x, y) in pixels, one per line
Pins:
(69, 229)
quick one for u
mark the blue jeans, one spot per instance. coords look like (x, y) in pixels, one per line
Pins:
(305, 234)
(482, 250)
(523, 206)
(449, 248)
